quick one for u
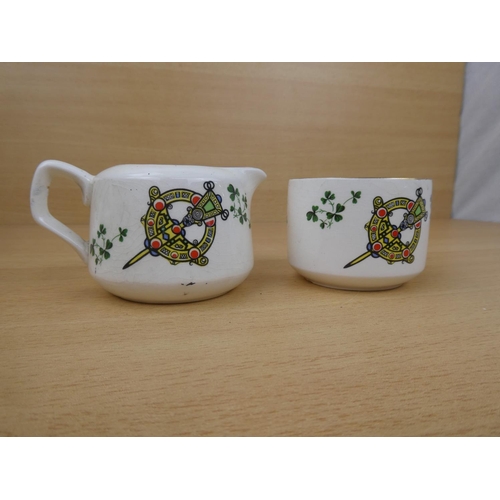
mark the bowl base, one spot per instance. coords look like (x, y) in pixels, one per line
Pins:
(355, 283)
(357, 289)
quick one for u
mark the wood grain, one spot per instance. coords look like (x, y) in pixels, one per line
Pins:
(292, 120)
(276, 356)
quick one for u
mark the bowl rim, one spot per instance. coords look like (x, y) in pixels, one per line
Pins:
(359, 179)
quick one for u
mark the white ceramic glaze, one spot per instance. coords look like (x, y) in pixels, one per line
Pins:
(331, 222)
(160, 233)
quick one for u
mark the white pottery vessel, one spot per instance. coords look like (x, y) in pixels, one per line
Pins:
(358, 234)
(159, 233)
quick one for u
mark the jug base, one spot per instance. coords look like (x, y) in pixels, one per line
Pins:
(172, 294)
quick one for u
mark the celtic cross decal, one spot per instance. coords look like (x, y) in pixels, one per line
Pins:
(385, 239)
(168, 237)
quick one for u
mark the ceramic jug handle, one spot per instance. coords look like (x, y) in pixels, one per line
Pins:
(40, 194)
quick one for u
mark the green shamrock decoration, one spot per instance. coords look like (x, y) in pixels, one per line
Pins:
(240, 206)
(100, 250)
(316, 213)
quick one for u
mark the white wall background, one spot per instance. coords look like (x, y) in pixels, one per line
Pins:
(477, 183)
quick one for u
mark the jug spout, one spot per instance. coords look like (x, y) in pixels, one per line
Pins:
(252, 177)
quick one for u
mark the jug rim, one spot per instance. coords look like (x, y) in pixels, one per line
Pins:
(179, 170)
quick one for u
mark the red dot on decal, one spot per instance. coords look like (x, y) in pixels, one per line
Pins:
(159, 205)
(374, 228)
(410, 205)
(406, 253)
(381, 212)
(195, 199)
(210, 222)
(194, 253)
(395, 233)
(156, 243)
(177, 229)
(151, 222)
(377, 247)
(174, 255)
(418, 224)
(391, 256)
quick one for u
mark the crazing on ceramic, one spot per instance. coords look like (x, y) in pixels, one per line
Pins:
(159, 233)
(325, 240)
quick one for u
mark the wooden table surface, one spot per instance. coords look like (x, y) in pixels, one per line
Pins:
(275, 356)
